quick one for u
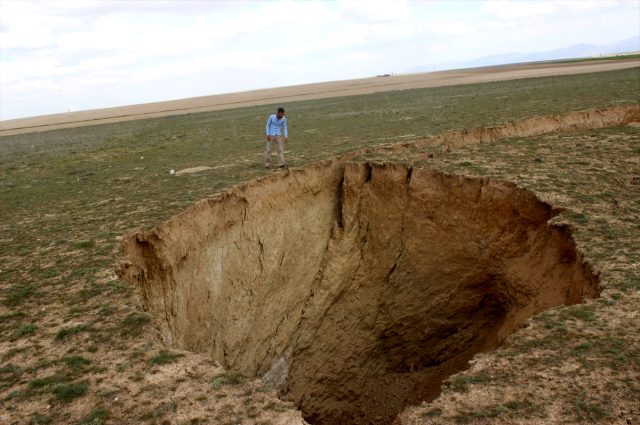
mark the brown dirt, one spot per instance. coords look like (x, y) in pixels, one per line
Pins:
(305, 92)
(355, 288)
(192, 170)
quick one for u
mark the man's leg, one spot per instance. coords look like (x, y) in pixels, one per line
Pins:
(280, 152)
(267, 154)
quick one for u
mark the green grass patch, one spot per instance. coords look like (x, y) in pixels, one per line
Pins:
(12, 352)
(588, 411)
(65, 333)
(9, 374)
(265, 388)
(86, 294)
(164, 408)
(24, 330)
(13, 316)
(512, 409)
(97, 416)
(76, 362)
(133, 325)
(12, 395)
(45, 382)
(631, 283)
(433, 413)
(164, 357)
(69, 392)
(56, 383)
(40, 420)
(232, 378)
(87, 274)
(578, 217)
(18, 294)
(461, 383)
(85, 245)
(585, 313)
(554, 321)
(583, 347)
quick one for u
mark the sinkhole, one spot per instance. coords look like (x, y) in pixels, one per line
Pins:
(355, 288)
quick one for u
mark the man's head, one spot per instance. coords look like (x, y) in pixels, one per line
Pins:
(280, 113)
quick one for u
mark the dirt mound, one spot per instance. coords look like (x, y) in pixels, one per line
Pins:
(355, 288)
(572, 121)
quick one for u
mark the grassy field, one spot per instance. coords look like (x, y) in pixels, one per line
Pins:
(599, 58)
(73, 338)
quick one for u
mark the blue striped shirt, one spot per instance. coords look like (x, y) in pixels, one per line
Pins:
(275, 126)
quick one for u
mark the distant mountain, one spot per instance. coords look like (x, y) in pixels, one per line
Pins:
(575, 51)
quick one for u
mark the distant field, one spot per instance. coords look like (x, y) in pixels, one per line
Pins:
(624, 56)
(315, 91)
(76, 348)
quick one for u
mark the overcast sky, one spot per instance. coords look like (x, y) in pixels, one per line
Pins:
(74, 55)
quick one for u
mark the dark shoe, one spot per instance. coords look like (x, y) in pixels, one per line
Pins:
(266, 167)
(282, 166)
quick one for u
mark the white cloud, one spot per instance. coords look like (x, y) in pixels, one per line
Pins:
(449, 27)
(372, 11)
(91, 53)
(517, 10)
(512, 10)
(588, 5)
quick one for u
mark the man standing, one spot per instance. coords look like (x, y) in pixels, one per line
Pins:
(276, 127)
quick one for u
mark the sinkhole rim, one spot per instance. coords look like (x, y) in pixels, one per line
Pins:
(364, 173)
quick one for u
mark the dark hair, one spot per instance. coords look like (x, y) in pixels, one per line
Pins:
(280, 110)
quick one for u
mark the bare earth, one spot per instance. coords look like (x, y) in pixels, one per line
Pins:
(306, 92)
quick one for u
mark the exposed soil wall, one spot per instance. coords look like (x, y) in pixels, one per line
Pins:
(427, 270)
(572, 121)
(355, 288)
(232, 274)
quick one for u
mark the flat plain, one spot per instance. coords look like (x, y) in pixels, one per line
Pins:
(312, 91)
(76, 347)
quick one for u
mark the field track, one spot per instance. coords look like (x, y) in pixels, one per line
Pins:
(282, 95)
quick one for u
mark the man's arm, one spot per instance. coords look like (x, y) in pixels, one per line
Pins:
(267, 127)
(286, 131)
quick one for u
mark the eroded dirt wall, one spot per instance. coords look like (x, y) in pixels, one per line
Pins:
(572, 121)
(356, 288)
(230, 275)
(428, 270)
